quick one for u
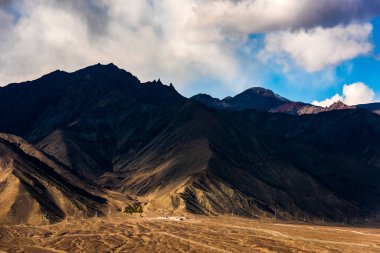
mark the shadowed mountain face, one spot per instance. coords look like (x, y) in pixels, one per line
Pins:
(374, 107)
(105, 126)
(34, 109)
(76, 116)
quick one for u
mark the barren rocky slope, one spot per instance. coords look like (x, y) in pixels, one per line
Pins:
(36, 190)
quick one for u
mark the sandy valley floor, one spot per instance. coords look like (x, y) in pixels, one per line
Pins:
(192, 234)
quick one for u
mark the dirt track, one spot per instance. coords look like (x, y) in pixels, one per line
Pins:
(193, 234)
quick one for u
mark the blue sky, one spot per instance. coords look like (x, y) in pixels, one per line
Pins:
(367, 68)
(304, 50)
(307, 86)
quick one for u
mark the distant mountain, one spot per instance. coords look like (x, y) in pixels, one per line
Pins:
(262, 99)
(254, 98)
(103, 126)
(298, 108)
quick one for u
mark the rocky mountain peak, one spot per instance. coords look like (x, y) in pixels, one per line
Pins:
(339, 105)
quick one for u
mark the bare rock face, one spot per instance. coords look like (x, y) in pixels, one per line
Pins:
(35, 190)
(243, 155)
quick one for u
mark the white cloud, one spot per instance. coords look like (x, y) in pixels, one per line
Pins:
(357, 93)
(150, 41)
(319, 47)
(328, 101)
(175, 40)
(352, 94)
(262, 16)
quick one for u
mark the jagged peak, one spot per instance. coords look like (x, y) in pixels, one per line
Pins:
(339, 105)
(157, 81)
(158, 84)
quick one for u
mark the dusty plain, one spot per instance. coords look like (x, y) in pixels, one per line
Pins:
(133, 233)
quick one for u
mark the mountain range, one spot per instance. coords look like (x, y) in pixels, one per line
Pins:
(98, 138)
(261, 99)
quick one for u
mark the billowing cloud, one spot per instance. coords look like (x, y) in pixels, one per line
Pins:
(320, 47)
(147, 38)
(262, 16)
(328, 101)
(352, 94)
(357, 93)
(175, 40)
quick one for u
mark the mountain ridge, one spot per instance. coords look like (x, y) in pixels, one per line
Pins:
(105, 127)
(265, 102)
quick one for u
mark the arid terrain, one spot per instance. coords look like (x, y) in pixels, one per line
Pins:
(189, 233)
(84, 153)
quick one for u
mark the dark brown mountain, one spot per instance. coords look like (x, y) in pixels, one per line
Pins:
(70, 111)
(254, 98)
(373, 107)
(223, 163)
(102, 124)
